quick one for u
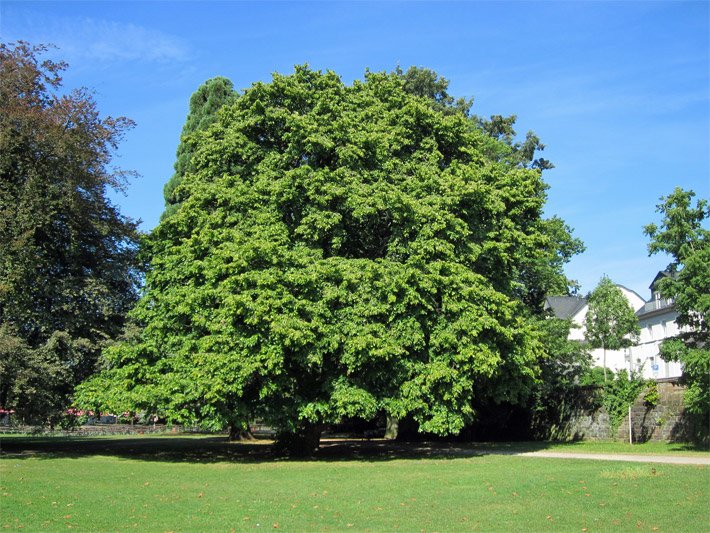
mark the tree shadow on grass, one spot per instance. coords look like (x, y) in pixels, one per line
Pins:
(213, 449)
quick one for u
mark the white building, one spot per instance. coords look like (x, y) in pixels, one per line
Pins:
(656, 320)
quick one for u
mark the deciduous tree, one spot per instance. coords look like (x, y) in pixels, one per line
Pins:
(339, 251)
(611, 323)
(68, 265)
(682, 236)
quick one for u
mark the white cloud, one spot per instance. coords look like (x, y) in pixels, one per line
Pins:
(572, 91)
(111, 41)
(95, 40)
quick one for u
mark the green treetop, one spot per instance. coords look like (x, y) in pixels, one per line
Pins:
(209, 98)
(682, 236)
(611, 323)
(426, 83)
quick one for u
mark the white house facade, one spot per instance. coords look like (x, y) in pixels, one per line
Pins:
(656, 320)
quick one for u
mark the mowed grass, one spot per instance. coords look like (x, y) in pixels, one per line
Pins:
(602, 447)
(205, 484)
(620, 447)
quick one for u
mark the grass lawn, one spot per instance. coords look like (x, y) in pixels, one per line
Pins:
(604, 447)
(177, 483)
(651, 448)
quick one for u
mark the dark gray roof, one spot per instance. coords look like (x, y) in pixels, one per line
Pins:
(656, 307)
(565, 306)
(662, 274)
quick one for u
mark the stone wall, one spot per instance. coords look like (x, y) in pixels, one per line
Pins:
(667, 421)
(590, 426)
(91, 430)
(664, 422)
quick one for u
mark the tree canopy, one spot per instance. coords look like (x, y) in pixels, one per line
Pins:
(682, 236)
(340, 251)
(68, 262)
(557, 397)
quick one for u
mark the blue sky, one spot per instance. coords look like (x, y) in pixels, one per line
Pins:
(619, 92)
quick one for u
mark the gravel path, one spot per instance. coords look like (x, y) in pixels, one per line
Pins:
(670, 459)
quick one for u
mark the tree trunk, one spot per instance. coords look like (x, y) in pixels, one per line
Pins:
(240, 433)
(301, 443)
(392, 428)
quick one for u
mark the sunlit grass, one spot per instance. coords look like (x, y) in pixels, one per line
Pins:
(653, 448)
(203, 484)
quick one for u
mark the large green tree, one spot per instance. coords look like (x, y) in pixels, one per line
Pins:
(67, 259)
(339, 251)
(682, 236)
(611, 323)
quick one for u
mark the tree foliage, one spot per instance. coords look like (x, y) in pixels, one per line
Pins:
(682, 236)
(541, 275)
(611, 322)
(619, 394)
(558, 396)
(339, 251)
(428, 84)
(67, 267)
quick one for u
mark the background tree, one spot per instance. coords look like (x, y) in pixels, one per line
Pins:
(611, 323)
(339, 251)
(559, 395)
(681, 235)
(209, 98)
(68, 264)
(428, 84)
